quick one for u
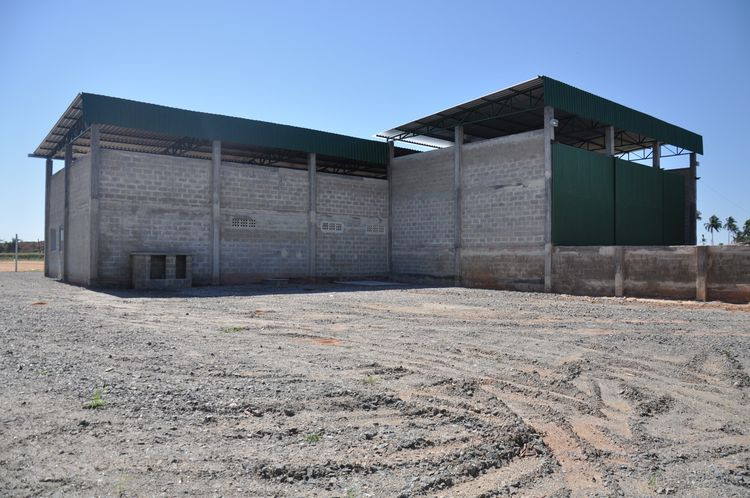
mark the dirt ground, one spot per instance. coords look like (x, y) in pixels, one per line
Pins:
(23, 265)
(349, 391)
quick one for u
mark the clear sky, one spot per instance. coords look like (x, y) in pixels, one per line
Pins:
(362, 67)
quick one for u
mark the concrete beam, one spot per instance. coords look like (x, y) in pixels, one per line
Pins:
(47, 188)
(549, 137)
(692, 200)
(216, 212)
(391, 155)
(609, 140)
(701, 271)
(66, 212)
(96, 167)
(656, 154)
(312, 232)
(457, 209)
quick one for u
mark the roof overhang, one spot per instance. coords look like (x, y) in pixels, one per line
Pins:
(142, 127)
(582, 118)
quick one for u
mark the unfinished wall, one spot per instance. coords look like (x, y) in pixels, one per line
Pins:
(422, 217)
(152, 203)
(584, 270)
(728, 273)
(503, 209)
(79, 229)
(273, 240)
(56, 220)
(653, 271)
(360, 205)
(660, 271)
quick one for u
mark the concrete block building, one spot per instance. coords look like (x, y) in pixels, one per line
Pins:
(506, 180)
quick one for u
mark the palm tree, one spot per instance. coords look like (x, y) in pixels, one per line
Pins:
(730, 224)
(713, 225)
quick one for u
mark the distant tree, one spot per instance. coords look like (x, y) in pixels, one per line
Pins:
(713, 225)
(698, 215)
(703, 239)
(743, 236)
(730, 225)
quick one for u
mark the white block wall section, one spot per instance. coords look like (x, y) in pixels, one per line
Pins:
(79, 231)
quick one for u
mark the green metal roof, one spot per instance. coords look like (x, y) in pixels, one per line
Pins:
(582, 118)
(568, 98)
(122, 114)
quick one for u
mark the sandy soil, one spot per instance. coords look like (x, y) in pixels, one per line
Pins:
(352, 391)
(23, 265)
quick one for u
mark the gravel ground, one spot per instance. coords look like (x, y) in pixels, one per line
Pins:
(348, 391)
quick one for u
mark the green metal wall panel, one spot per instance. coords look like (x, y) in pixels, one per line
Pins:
(638, 204)
(673, 214)
(571, 99)
(601, 200)
(582, 197)
(183, 123)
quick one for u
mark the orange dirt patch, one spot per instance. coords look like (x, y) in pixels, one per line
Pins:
(327, 341)
(39, 303)
(10, 266)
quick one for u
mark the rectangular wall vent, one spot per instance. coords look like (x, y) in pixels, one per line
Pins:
(331, 226)
(242, 222)
(377, 228)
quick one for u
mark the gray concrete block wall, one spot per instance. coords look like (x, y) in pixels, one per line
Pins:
(152, 203)
(276, 199)
(503, 212)
(356, 203)
(422, 217)
(56, 220)
(79, 230)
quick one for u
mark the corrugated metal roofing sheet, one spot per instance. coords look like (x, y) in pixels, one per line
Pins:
(571, 99)
(100, 109)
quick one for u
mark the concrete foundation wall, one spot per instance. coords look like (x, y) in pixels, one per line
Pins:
(660, 272)
(152, 203)
(56, 220)
(728, 273)
(503, 206)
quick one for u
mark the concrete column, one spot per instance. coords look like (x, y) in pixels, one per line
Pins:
(391, 155)
(549, 137)
(96, 166)
(656, 154)
(47, 187)
(216, 212)
(312, 216)
(701, 271)
(457, 215)
(619, 271)
(609, 140)
(66, 215)
(692, 200)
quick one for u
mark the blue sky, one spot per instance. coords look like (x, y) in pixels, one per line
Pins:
(362, 67)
